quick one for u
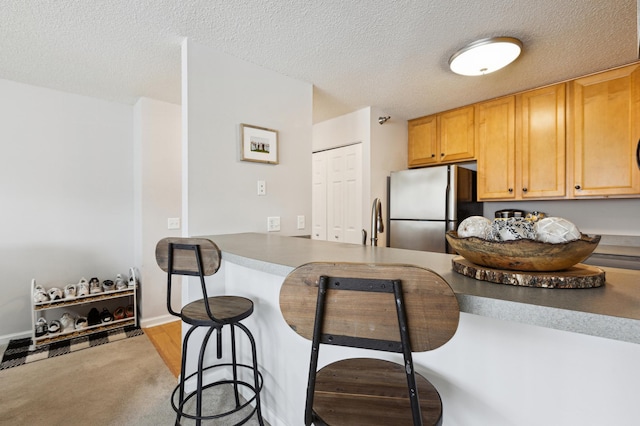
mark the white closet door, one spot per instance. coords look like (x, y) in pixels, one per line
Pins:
(319, 196)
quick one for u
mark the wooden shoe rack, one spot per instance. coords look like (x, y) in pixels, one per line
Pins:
(80, 306)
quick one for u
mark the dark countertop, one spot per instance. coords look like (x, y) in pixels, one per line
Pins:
(611, 311)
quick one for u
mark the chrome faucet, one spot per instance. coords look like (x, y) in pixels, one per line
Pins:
(376, 221)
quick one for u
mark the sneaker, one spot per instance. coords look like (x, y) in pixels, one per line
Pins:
(133, 279)
(55, 326)
(67, 322)
(94, 317)
(81, 322)
(82, 289)
(41, 327)
(55, 293)
(120, 282)
(107, 285)
(40, 294)
(70, 291)
(94, 286)
(106, 316)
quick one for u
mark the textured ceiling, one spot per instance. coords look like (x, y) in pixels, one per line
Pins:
(356, 53)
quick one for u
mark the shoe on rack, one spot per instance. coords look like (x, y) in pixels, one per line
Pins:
(41, 327)
(40, 294)
(107, 285)
(67, 322)
(82, 288)
(94, 317)
(94, 286)
(54, 326)
(133, 278)
(106, 316)
(80, 323)
(120, 282)
(55, 293)
(129, 311)
(118, 314)
(70, 291)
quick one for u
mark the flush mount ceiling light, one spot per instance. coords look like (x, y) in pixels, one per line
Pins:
(485, 56)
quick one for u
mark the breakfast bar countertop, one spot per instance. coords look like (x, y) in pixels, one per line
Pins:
(611, 311)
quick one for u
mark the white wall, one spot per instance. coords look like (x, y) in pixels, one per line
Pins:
(66, 192)
(219, 93)
(158, 169)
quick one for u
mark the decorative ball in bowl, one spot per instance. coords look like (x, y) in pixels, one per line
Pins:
(524, 254)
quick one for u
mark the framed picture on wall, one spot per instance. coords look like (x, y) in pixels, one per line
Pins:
(259, 144)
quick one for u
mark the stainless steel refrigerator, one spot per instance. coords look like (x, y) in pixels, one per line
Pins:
(425, 203)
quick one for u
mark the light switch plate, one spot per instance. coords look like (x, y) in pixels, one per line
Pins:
(262, 187)
(301, 222)
(173, 223)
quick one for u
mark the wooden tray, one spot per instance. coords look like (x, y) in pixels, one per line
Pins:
(578, 276)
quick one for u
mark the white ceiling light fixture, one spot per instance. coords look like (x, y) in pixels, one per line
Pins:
(485, 56)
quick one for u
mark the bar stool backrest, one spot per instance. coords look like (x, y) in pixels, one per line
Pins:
(184, 261)
(431, 306)
(198, 257)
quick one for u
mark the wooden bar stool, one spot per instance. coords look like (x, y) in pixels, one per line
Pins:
(200, 257)
(391, 308)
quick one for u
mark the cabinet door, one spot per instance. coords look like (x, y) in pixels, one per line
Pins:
(495, 136)
(605, 132)
(423, 134)
(456, 135)
(319, 196)
(540, 143)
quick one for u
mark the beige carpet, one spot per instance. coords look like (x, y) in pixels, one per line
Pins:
(120, 383)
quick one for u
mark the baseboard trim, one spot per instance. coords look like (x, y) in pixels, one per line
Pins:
(159, 320)
(7, 337)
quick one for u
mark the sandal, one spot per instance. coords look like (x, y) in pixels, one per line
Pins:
(129, 311)
(118, 314)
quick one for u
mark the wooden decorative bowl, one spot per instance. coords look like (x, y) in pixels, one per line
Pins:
(523, 255)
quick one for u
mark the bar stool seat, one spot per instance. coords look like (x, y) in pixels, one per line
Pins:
(201, 257)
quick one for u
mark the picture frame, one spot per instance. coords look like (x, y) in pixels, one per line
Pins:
(259, 144)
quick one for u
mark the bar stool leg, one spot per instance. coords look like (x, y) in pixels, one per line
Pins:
(256, 373)
(200, 367)
(183, 367)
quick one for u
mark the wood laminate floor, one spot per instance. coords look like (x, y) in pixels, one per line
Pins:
(167, 339)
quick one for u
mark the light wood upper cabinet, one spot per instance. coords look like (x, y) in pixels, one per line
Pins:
(541, 143)
(447, 137)
(495, 137)
(521, 145)
(456, 135)
(604, 133)
(423, 137)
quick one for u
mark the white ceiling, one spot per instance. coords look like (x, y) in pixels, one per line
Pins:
(392, 54)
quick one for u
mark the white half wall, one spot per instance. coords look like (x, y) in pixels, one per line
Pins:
(66, 192)
(158, 170)
(219, 93)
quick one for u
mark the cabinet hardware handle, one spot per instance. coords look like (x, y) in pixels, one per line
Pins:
(638, 153)
(335, 236)
(578, 187)
(510, 190)
(433, 155)
(442, 154)
(524, 189)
